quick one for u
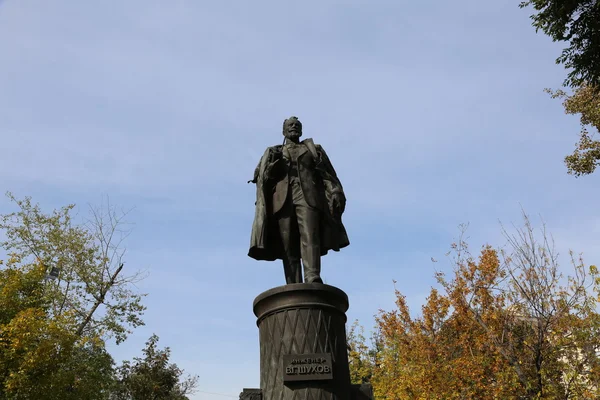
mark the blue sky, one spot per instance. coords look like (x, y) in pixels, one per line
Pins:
(433, 114)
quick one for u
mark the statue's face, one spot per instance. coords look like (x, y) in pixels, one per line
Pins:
(292, 129)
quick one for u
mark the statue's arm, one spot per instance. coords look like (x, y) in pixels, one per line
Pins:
(257, 170)
(269, 166)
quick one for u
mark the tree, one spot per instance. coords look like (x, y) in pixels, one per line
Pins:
(89, 258)
(152, 377)
(586, 102)
(52, 332)
(40, 357)
(576, 22)
(506, 324)
(361, 358)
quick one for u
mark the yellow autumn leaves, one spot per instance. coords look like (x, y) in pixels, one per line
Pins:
(508, 323)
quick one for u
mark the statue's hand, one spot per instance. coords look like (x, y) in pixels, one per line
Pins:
(270, 168)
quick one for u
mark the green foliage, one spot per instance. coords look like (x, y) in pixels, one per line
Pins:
(91, 287)
(152, 377)
(576, 22)
(361, 357)
(52, 332)
(42, 357)
(585, 101)
(20, 288)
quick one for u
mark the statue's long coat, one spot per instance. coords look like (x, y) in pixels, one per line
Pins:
(265, 241)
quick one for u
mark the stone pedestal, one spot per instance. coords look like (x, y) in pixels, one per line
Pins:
(303, 351)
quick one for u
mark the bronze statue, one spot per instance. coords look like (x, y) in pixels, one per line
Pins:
(299, 206)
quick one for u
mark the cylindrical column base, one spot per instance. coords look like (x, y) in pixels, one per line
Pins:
(303, 353)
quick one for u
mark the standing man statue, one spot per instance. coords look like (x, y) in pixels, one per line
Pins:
(299, 206)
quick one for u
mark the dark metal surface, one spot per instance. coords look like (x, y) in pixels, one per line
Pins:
(362, 392)
(251, 394)
(302, 319)
(298, 208)
(314, 295)
(307, 367)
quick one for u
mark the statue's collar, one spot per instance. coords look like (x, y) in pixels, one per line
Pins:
(291, 143)
(287, 141)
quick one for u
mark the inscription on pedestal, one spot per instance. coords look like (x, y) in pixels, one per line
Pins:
(307, 367)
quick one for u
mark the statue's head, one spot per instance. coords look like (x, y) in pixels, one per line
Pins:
(292, 128)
